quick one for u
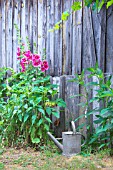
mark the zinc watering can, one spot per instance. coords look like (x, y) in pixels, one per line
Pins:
(71, 144)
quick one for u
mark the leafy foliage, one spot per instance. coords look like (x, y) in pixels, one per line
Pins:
(103, 134)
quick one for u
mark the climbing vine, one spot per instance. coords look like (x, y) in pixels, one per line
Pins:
(95, 5)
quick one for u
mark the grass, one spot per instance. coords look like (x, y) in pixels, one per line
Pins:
(49, 158)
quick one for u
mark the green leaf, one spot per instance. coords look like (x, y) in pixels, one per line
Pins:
(48, 110)
(35, 140)
(48, 119)
(26, 116)
(65, 15)
(20, 117)
(34, 117)
(76, 6)
(41, 110)
(38, 100)
(46, 127)
(56, 114)
(40, 122)
(109, 3)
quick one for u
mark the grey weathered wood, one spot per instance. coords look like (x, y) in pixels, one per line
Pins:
(58, 40)
(35, 24)
(72, 110)
(77, 42)
(40, 26)
(109, 41)
(88, 48)
(52, 37)
(99, 28)
(3, 57)
(0, 32)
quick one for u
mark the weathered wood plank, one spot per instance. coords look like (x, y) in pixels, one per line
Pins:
(72, 110)
(30, 23)
(67, 40)
(88, 48)
(58, 40)
(52, 37)
(23, 18)
(35, 24)
(109, 41)
(48, 35)
(99, 28)
(15, 20)
(9, 10)
(4, 62)
(1, 33)
(77, 42)
(40, 26)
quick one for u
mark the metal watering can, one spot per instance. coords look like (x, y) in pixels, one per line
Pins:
(71, 142)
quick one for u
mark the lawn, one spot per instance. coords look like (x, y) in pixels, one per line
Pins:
(50, 158)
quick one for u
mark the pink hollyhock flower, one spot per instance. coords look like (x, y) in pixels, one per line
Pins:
(28, 55)
(36, 60)
(42, 68)
(45, 64)
(36, 63)
(23, 66)
(24, 61)
(18, 52)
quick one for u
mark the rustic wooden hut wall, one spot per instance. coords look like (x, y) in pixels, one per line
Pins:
(85, 38)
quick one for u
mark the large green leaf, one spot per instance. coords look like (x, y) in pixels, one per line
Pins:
(26, 116)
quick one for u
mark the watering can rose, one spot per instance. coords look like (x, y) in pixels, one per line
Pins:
(27, 58)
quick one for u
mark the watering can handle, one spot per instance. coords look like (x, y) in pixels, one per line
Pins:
(84, 140)
(74, 131)
(73, 127)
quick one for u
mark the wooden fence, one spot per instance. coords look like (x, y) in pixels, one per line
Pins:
(85, 38)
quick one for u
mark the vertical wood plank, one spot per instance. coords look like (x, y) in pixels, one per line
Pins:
(35, 23)
(9, 33)
(40, 26)
(52, 37)
(72, 110)
(23, 18)
(3, 2)
(48, 35)
(109, 41)
(44, 28)
(77, 42)
(88, 48)
(58, 40)
(67, 40)
(16, 20)
(1, 33)
(99, 28)
(30, 23)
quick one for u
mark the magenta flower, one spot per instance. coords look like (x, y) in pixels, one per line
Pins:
(36, 60)
(42, 68)
(18, 52)
(24, 61)
(45, 65)
(28, 55)
(36, 63)
(23, 66)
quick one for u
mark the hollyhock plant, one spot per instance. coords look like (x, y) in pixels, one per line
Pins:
(28, 55)
(18, 53)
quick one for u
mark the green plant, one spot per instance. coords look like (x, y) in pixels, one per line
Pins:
(30, 100)
(103, 134)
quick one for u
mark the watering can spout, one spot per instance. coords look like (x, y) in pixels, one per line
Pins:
(60, 146)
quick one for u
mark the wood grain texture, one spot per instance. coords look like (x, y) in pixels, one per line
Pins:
(88, 48)
(77, 42)
(109, 41)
